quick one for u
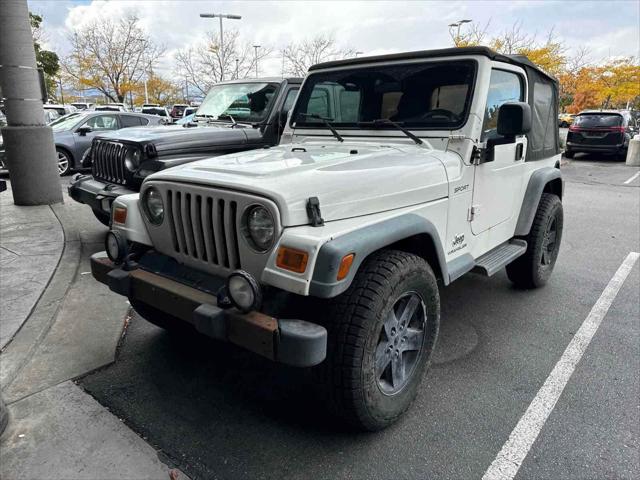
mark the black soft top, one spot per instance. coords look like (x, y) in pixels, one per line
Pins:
(520, 60)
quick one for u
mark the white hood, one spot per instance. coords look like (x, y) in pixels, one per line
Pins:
(350, 179)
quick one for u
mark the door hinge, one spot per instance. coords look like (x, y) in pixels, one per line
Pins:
(473, 210)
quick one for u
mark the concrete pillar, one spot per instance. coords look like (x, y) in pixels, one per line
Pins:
(30, 151)
(633, 153)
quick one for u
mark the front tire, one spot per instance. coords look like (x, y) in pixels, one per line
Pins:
(102, 217)
(382, 332)
(533, 269)
(64, 162)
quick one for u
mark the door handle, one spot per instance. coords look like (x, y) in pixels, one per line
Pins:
(519, 151)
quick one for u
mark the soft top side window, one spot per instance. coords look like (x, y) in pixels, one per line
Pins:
(504, 87)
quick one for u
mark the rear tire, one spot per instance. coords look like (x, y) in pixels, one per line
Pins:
(103, 217)
(533, 269)
(382, 332)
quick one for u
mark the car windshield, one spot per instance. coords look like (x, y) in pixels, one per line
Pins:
(418, 95)
(155, 111)
(67, 122)
(245, 102)
(599, 120)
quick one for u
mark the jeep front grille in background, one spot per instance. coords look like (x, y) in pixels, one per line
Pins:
(108, 162)
(203, 227)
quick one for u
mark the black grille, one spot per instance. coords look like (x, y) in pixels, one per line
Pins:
(108, 162)
(203, 228)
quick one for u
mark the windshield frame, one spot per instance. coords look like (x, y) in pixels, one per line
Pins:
(268, 113)
(464, 117)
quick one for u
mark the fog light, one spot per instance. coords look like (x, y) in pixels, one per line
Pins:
(116, 247)
(244, 291)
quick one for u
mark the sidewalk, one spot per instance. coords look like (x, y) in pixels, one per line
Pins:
(57, 324)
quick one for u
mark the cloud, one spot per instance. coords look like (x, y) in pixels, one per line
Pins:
(370, 27)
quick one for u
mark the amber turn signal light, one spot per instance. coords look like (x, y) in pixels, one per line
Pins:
(120, 215)
(345, 265)
(292, 259)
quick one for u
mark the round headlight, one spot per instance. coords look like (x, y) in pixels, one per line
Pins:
(132, 158)
(153, 205)
(244, 291)
(261, 228)
(116, 246)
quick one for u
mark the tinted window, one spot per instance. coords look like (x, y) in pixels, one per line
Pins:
(103, 122)
(504, 87)
(155, 111)
(290, 99)
(131, 121)
(424, 95)
(589, 120)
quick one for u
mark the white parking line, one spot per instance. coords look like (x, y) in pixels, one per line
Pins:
(632, 178)
(507, 463)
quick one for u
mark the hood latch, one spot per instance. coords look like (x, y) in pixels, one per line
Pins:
(313, 211)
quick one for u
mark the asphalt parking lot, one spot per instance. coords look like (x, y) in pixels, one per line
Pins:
(215, 411)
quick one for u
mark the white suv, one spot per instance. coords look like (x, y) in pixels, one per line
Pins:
(395, 174)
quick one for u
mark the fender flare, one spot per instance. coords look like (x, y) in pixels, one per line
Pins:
(537, 184)
(364, 242)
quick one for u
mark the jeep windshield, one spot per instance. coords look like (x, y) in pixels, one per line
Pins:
(244, 102)
(598, 120)
(434, 95)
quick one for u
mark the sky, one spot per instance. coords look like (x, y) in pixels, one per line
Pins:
(606, 28)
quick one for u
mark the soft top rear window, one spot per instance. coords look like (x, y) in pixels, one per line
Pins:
(427, 95)
(598, 120)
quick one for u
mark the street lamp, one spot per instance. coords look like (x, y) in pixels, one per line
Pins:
(256, 47)
(457, 24)
(221, 16)
(359, 53)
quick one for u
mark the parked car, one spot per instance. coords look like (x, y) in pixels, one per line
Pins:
(403, 171)
(212, 132)
(60, 109)
(184, 120)
(83, 105)
(111, 107)
(147, 105)
(74, 133)
(601, 131)
(565, 119)
(178, 108)
(159, 111)
(189, 111)
(50, 115)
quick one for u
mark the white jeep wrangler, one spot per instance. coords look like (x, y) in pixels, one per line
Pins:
(396, 173)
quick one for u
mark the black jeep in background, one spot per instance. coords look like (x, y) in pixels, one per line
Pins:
(234, 116)
(601, 131)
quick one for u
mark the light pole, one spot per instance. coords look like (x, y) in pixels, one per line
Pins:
(237, 62)
(256, 47)
(458, 24)
(359, 53)
(221, 16)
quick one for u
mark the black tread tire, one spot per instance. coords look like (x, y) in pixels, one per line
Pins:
(526, 271)
(160, 318)
(354, 325)
(103, 217)
(568, 154)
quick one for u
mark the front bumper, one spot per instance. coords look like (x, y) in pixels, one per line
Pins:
(293, 342)
(98, 195)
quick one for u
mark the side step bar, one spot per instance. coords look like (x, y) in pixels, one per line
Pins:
(494, 260)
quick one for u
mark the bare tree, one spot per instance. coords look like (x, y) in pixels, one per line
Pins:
(205, 64)
(111, 56)
(298, 57)
(475, 35)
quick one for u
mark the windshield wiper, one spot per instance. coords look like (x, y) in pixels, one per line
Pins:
(326, 122)
(226, 115)
(385, 121)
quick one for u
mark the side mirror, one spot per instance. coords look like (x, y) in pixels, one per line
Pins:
(514, 118)
(82, 131)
